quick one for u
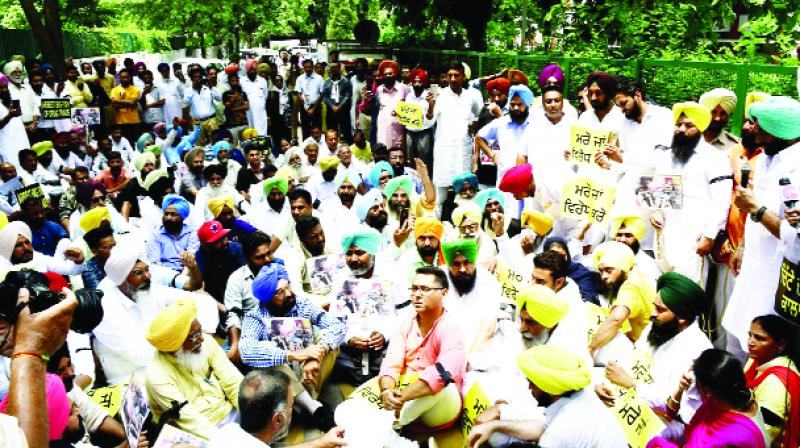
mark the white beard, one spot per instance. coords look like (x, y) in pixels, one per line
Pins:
(141, 295)
(535, 341)
(214, 192)
(194, 362)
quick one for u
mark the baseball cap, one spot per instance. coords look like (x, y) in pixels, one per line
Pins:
(211, 231)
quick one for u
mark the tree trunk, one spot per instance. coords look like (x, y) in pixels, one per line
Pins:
(476, 34)
(48, 32)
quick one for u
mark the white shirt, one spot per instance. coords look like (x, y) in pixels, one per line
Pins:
(453, 115)
(257, 92)
(239, 294)
(598, 428)
(123, 146)
(172, 91)
(14, 139)
(322, 191)
(545, 146)
(27, 101)
(476, 308)
(201, 104)
(269, 221)
(119, 339)
(510, 137)
(310, 86)
(46, 263)
(233, 435)
(612, 121)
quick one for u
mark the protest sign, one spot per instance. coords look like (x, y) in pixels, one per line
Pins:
(55, 108)
(108, 398)
(660, 191)
(637, 419)
(475, 402)
(289, 333)
(585, 143)
(787, 297)
(324, 270)
(135, 409)
(31, 191)
(510, 283)
(409, 114)
(171, 436)
(86, 115)
(363, 298)
(587, 199)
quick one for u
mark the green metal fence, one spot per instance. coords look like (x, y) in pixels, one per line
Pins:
(666, 82)
(81, 44)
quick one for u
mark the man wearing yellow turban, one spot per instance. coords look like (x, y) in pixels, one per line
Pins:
(721, 102)
(558, 379)
(629, 292)
(190, 368)
(629, 229)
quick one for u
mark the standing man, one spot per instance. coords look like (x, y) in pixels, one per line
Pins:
(721, 102)
(256, 90)
(419, 141)
(236, 108)
(152, 102)
(172, 91)
(309, 87)
(76, 89)
(200, 100)
(388, 131)
(22, 92)
(337, 94)
(599, 93)
(125, 101)
(12, 129)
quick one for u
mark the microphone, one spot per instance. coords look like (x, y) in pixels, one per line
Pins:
(789, 194)
(745, 178)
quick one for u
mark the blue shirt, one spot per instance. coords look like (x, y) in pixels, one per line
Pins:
(46, 237)
(94, 273)
(311, 88)
(165, 250)
(256, 349)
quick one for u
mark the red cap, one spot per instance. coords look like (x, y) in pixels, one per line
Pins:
(57, 281)
(517, 179)
(211, 231)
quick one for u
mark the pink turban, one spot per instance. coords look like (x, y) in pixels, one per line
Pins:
(231, 69)
(58, 407)
(3, 80)
(422, 74)
(553, 71)
(251, 64)
(517, 179)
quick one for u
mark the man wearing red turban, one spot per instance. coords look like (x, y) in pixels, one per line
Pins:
(389, 131)
(419, 140)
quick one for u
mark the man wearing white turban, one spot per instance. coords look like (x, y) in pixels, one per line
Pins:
(130, 303)
(16, 250)
(721, 102)
(22, 92)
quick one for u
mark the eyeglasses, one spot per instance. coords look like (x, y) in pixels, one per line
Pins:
(283, 293)
(422, 289)
(194, 337)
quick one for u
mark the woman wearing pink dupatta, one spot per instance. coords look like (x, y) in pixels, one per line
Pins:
(729, 415)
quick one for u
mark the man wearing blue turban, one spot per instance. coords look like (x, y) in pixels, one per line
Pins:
(264, 334)
(173, 242)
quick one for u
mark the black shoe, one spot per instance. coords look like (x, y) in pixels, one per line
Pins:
(322, 418)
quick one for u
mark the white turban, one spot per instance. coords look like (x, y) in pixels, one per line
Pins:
(11, 66)
(719, 97)
(9, 235)
(121, 261)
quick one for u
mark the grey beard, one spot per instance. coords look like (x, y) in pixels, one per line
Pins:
(530, 341)
(193, 362)
(364, 270)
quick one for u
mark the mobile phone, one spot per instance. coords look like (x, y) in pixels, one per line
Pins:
(15, 104)
(403, 216)
(434, 89)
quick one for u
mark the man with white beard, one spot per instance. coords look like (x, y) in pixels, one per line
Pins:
(191, 369)
(214, 176)
(129, 305)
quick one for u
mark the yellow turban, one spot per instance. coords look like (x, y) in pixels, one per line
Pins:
(170, 327)
(469, 211)
(328, 162)
(93, 218)
(249, 133)
(3, 220)
(753, 97)
(542, 304)
(719, 97)
(216, 205)
(554, 370)
(632, 222)
(427, 225)
(42, 147)
(699, 114)
(285, 173)
(613, 254)
(541, 223)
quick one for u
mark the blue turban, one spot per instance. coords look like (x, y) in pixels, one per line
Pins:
(162, 66)
(266, 282)
(469, 177)
(350, 175)
(181, 205)
(523, 92)
(365, 202)
(364, 237)
(779, 116)
(375, 172)
(222, 144)
(492, 193)
(45, 67)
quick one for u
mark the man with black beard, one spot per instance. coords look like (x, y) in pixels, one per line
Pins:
(688, 232)
(312, 241)
(721, 102)
(672, 344)
(92, 417)
(217, 258)
(629, 229)
(598, 95)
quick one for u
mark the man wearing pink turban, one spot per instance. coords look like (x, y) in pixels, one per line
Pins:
(256, 90)
(58, 406)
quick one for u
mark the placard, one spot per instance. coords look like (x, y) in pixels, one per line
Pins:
(363, 298)
(86, 116)
(587, 199)
(475, 402)
(324, 270)
(585, 143)
(31, 191)
(289, 333)
(637, 419)
(409, 115)
(510, 281)
(55, 108)
(660, 191)
(135, 409)
(787, 304)
(108, 398)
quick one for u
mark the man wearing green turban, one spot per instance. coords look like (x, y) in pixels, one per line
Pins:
(674, 341)
(574, 417)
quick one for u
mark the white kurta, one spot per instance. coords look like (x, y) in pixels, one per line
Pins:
(754, 293)
(453, 144)
(13, 139)
(257, 92)
(172, 91)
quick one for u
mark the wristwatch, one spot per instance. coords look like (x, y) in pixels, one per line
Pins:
(756, 217)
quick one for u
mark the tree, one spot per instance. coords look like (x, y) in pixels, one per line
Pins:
(48, 29)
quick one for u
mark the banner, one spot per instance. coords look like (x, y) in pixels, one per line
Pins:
(31, 191)
(585, 143)
(787, 297)
(409, 115)
(587, 199)
(86, 115)
(660, 191)
(56, 108)
(475, 402)
(510, 281)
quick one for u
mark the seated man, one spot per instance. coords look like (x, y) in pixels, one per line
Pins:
(558, 380)
(428, 344)
(465, 186)
(427, 235)
(217, 258)
(221, 209)
(129, 305)
(46, 234)
(265, 413)
(188, 368)
(258, 349)
(630, 230)
(321, 185)
(628, 293)
(16, 250)
(313, 243)
(173, 237)
(214, 176)
(466, 220)
(550, 270)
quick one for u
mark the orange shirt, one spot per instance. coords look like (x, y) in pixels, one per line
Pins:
(736, 218)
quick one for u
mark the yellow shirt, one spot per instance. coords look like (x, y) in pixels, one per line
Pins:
(211, 395)
(127, 115)
(637, 294)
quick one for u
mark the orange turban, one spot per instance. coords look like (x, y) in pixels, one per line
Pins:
(500, 84)
(388, 63)
(427, 225)
(517, 75)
